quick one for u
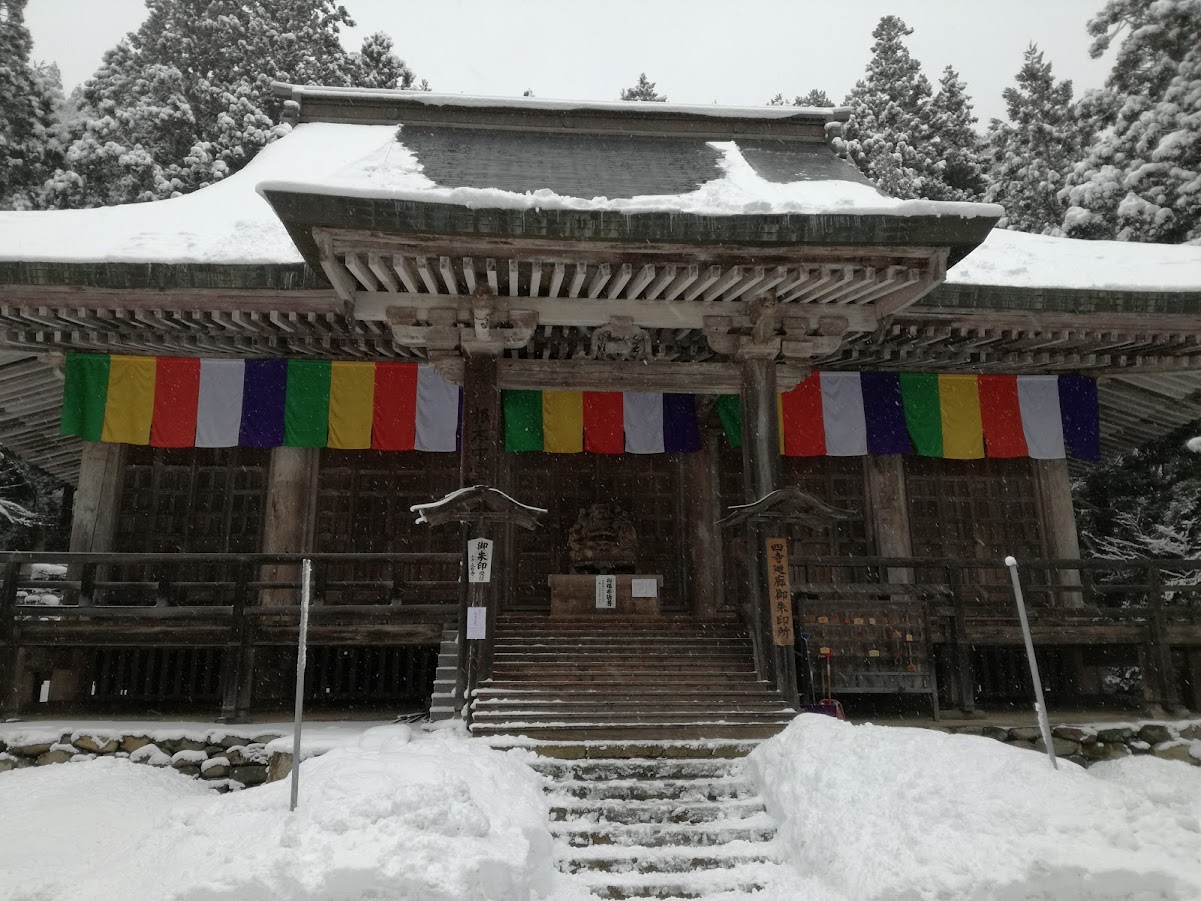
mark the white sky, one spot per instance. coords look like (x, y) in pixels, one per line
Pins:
(698, 51)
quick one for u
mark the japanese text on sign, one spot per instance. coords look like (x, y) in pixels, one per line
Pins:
(779, 591)
(479, 560)
(477, 623)
(606, 592)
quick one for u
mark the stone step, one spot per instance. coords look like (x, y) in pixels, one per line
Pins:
(584, 699)
(580, 655)
(535, 711)
(662, 859)
(565, 808)
(568, 715)
(636, 685)
(630, 731)
(617, 642)
(585, 834)
(683, 790)
(636, 676)
(746, 878)
(639, 768)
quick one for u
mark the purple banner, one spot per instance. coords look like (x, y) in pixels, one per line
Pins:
(681, 430)
(265, 386)
(1079, 411)
(884, 413)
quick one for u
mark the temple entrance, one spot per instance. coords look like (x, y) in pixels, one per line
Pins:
(646, 488)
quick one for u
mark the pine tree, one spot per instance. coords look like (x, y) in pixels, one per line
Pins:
(953, 135)
(644, 90)
(888, 135)
(186, 99)
(1141, 177)
(1031, 154)
(815, 98)
(30, 109)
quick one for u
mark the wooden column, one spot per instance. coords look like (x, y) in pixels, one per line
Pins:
(1059, 524)
(889, 505)
(701, 513)
(761, 476)
(481, 466)
(98, 497)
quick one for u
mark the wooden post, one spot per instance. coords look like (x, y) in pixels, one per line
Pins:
(963, 685)
(761, 476)
(1159, 669)
(889, 504)
(1059, 526)
(701, 514)
(288, 520)
(98, 497)
(12, 655)
(237, 668)
(481, 466)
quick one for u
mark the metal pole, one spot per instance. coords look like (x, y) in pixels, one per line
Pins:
(1040, 705)
(306, 583)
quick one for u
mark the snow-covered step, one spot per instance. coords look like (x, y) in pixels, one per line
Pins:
(618, 768)
(758, 828)
(745, 878)
(715, 789)
(663, 859)
(563, 808)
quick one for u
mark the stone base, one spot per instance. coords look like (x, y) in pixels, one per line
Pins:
(574, 595)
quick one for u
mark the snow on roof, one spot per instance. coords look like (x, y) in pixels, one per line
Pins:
(1019, 260)
(230, 223)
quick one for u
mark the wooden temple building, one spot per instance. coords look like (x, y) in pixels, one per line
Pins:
(662, 340)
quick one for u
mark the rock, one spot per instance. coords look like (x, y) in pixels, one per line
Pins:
(231, 741)
(36, 749)
(279, 766)
(249, 775)
(188, 770)
(247, 754)
(1138, 746)
(56, 756)
(1024, 744)
(263, 739)
(8, 762)
(189, 744)
(1175, 750)
(1104, 751)
(1024, 733)
(1063, 747)
(130, 743)
(1155, 733)
(973, 729)
(995, 732)
(1192, 733)
(1117, 733)
(215, 768)
(181, 759)
(214, 750)
(1074, 733)
(3, 746)
(92, 745)
(150, 754)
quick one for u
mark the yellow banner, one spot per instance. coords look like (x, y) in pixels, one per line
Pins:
(563, 422)
(351, 402)
(130, 405)
(779, 591)
(962, 431)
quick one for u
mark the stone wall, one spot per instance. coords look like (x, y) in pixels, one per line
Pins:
(227, 762)
(1087, 744)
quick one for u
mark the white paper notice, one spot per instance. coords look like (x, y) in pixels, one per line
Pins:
(606, 592)
(644, 588)
(477, 623)
(479, 560)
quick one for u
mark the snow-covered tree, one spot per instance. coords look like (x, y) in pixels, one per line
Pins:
(955, 142)
(888, 135)
(1141, 177)
(1031, 154)
(30, 105)
(815, 98)
(186, 99)
(643, 90)
(30, 502)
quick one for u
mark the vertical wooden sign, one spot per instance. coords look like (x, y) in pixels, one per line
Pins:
(779, 591)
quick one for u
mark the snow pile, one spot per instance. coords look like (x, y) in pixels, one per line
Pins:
(1019, 260)
(402, 815)
(891, 813)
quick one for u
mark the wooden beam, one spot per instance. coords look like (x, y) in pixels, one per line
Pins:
(583, 374)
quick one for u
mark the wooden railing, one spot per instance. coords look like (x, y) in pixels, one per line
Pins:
(235, 602)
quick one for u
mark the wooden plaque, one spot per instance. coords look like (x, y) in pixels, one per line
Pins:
(779, 591)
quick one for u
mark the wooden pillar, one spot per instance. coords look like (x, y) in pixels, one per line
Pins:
(889, 506)
(98, 497)
(481, 466)
(761, 476)
(1059, 525)
(701, 513)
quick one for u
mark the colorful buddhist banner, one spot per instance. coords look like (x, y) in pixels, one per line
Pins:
(601, 422)
(190, 402)
(954, 416)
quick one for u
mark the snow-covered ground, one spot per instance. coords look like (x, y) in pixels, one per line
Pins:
(867, 813)
(878, 812)
(397, 814)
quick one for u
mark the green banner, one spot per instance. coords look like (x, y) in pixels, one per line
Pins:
(923, 412)
(306, 408)
(523, 420)
(729, 410)
(85, 393)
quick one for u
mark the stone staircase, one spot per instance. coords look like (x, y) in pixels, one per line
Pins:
(625, 678)
(664, 819)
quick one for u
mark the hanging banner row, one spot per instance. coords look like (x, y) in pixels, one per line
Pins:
(190, 402)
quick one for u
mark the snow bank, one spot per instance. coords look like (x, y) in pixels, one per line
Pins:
(1018, 260)
(402, 815)
(894, 813)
